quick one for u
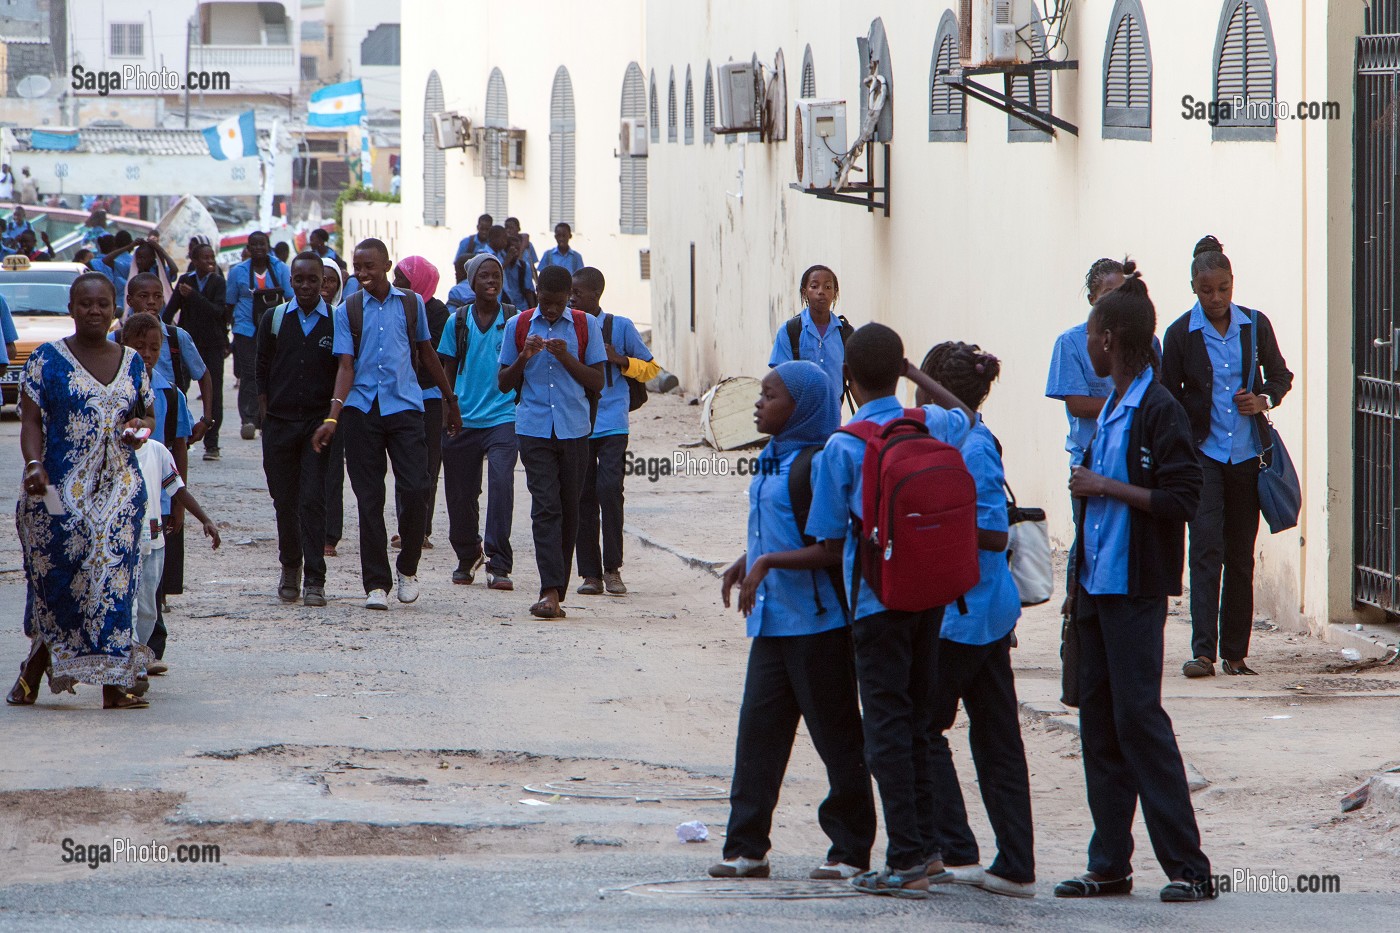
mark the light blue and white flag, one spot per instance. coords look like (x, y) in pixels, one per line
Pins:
(336, 105)
(234, 138)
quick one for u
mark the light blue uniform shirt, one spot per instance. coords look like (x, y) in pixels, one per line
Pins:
(1232, 438)
(239, 291)
(183, 425)
(612, 405)
(826, 350)
(787, 600)
(470, 246)
(515, 281)
(481, 403)
(121, 271)
(307, 319)
(7, 329)
(1071, 373)
(994, 604)
(836, 481)
(572, 260)
(552, 403)
(194, 363)
(384, 368)
(1108, 522)
(461, 294)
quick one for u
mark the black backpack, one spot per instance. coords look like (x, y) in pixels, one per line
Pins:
(794, 335)
(462, 326)
(800, 492)
(636, 391)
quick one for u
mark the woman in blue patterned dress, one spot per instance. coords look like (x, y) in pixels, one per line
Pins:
(82, 505)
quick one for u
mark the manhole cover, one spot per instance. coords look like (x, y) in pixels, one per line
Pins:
(639, 791)
(729, 890)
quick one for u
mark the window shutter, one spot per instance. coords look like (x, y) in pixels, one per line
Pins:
(947, 116)
(561, 150)
(632, 170)
(497, 120)
(1246, 68)
(689, 109)
(434, 161)
(654, 112)
(1022, 87)
(809, 74)
(708, 110)
(1127, 92)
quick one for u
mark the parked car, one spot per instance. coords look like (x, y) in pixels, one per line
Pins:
(37, 296)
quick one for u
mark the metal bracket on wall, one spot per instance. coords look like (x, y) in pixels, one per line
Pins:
(960, 80)
(863, 195)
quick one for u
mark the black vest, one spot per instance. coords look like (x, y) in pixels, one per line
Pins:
(301, 376)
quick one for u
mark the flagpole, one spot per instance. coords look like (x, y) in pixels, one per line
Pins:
(268, 158)
(366, 169)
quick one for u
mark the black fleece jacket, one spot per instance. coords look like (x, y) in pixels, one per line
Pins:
(1161, 458)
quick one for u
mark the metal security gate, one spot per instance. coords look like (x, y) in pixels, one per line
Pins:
(1377, 307)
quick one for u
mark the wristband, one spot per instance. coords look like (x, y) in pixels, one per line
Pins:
(338, 400)
(30, 463)
(330, 421)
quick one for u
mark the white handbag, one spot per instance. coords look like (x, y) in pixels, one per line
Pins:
(1028, 552)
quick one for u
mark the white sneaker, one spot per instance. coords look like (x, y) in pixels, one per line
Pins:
(965, 874)
(408, 589)
(377, 599)
(834, 871)
(740, 868)
(998, 885)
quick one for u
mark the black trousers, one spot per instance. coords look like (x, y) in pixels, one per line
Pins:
(1222, 538)
(980, 676)
(370, 440)
(896, 665)
(462, 457)
(812, 678)
(602, 494)
(245, 362)
(335, 489)
(213, 355)
(1130, 751)
(432, 436)
(296, 478)
(554, 472)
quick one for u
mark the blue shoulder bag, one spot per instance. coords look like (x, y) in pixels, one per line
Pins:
(1280, 494)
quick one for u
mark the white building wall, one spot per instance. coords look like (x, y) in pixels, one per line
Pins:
(463, 42)
(351, 21)
(989, 242)
(164, 20)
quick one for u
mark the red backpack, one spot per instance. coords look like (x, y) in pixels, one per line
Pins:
(917, 545)
(580, 319)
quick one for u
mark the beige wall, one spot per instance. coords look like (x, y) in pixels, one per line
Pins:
(989, 241)
(383, 221)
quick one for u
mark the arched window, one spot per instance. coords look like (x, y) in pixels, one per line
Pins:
(707, 111)
(654, 111)
(632, 215)
(1245, 63)
(492, 169)
(561, 150)
(809, 74)
(947, 108)
(689, 106)
(1033, 92)
(672, 117)
(434, 163)
(1127, 74)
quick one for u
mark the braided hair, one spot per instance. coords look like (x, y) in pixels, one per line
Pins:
(1208, 255)
(813, 270)
(1128, 312)
(1098, 272)
(963, 369)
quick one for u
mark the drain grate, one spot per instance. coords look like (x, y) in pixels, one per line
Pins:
(639, 791)
(733, 890)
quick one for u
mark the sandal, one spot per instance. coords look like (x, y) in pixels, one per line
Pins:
(21, 694)
(1236, 668)
(911, 883)
(124, 701)
(543, 610)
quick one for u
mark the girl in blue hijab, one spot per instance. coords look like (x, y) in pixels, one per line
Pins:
(801, 662)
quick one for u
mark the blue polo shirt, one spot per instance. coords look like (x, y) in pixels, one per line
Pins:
(787, 601)
(1108, 522)
(384, 368)
(194, 363)
(572, 260)
(515, 281)
(612, 405)
(1071, 373)
(183, 425)
(239, 291)
(552, 403)
(826, 350)
(1232, 438)
(470, 246)
(994, 604)
(836, 480)
(481, 403)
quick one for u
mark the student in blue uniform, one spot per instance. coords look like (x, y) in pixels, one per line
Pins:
(561, 254)
(264, 274)
(477, 242)
(820, 334)
(974, 662)
(801, 663)
(1207, 365)
(896, 652)
(1141, 483)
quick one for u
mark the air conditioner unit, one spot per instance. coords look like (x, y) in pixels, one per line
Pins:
(819, 141)
(989, 32)
(740, 98)
(453, 131)
(633, 140)
(513, 153)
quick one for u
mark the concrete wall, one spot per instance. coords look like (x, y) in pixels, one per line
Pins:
(384, 221)
(352, 20)
(463, 42)
(989, 241)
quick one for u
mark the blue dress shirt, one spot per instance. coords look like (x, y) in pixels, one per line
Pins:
(239, 291)
(826, 350)
(194, 363)
(572, 260)
(384, 367)
(552, 402)
(612, 405)
(1232, 438)
(1108, 522)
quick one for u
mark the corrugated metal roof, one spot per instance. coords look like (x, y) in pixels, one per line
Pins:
(127, 140)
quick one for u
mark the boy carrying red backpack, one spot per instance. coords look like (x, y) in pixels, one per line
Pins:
(891, 491)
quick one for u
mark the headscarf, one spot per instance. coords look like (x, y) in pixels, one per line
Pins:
(474, 266)
(329, 263)
(422, 276)
(815, 414)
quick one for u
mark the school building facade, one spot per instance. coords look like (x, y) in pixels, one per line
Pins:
(992, 224)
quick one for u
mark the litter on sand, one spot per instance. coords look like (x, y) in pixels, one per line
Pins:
(694, 831)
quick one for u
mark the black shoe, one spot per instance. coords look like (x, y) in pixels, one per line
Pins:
(465, 574)
(289, 590)
(211, 453)
(315, 596)
(1180, 892)
(1084, 886)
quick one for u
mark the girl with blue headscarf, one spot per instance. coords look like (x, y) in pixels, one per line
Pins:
(801, 663)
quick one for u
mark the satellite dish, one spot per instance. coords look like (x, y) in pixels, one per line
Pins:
(32, 86)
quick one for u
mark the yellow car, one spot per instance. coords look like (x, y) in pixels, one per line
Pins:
(35, 311)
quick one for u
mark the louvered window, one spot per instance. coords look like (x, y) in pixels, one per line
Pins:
(707, 111)
(126, 40)
(947, 112)
(672, 117)
(1245, 63)
(561, 150)
(434, 162)
(689, 105)
(654, 112)
(809, 74)
(632, 212)
(1127, 75)
(497, 121)
(1034, 91)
